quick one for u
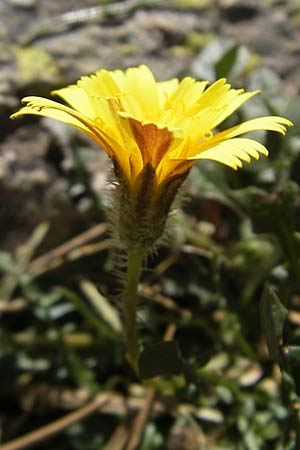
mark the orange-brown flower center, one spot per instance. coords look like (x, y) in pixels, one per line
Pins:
(152, 141)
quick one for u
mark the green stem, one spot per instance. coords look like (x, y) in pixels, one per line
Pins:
(134, 269)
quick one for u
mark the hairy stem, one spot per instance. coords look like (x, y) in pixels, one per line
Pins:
(130, 298)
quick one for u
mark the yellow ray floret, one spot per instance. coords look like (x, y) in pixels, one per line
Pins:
(167, 125)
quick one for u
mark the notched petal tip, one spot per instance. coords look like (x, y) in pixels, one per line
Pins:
(233, 152)
(28, 108)
(280, 124)
(30, 98)
(33, 103)
(285, 123)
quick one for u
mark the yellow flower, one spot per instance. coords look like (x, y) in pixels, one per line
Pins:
(138, 120)
(155, 131)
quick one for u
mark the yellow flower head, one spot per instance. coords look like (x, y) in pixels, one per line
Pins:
(154, 131)
(138, 120)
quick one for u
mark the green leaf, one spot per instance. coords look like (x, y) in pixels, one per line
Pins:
(225, 64)
(292, 446)
(16, 268)
(211, 183)
(162, 358)
(91, 319)
(83, 375)
(7, 263)
(273, 315)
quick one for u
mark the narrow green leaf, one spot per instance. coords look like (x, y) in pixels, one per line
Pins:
(225, 64)
(92, 319)
(7, 263)
(23, 255)
(273, 315)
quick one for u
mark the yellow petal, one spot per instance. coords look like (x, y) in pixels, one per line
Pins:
(214, 95)
(141, 84)
(271, 123)
(48, 108)
(187, 94)
(233, 105)
(166, 88)
(77, 98)
(233, 152)
(130, 107)
(102, 84)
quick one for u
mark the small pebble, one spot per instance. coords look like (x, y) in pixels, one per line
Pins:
(26, 4)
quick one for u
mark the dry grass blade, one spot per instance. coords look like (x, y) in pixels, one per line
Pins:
(119, 438)
(41, 264)
(57, 426)
(102, 306)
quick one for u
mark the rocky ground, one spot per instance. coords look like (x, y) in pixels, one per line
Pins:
(48, 44)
